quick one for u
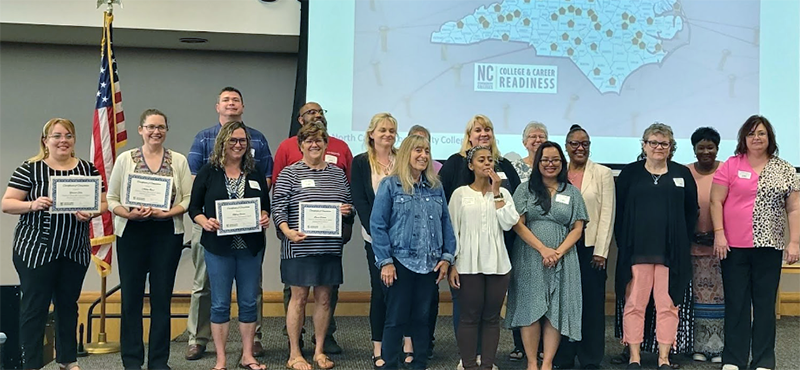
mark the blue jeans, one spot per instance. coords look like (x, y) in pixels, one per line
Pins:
(243, 266)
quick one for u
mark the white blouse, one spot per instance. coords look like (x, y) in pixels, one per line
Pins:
(479, 227)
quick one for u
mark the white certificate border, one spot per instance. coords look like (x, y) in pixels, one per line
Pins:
(127, 202)
(53, 192)
(335, 206)
(239, 230)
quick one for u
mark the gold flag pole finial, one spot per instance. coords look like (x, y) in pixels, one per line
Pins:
(109, 4)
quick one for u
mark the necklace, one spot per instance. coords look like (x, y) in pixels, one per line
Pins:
(386, 167)
(656, 178)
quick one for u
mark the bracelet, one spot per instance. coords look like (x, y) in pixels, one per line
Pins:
(30, 206)
(498, 196)
(719, 229)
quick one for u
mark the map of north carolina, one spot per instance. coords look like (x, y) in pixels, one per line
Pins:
(607, 39)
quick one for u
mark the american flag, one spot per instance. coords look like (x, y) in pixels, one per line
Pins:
(108, 135)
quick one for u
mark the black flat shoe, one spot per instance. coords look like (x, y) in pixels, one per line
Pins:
(634, 366)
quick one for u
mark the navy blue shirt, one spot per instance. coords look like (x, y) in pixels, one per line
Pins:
(203, 145)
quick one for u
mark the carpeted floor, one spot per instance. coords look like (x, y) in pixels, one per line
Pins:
(354, 337)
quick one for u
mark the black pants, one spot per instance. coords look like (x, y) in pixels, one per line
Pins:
(377, 302)
(593, 287)
(408, 303)
(59, 281)
(147, 247)
(750, 276)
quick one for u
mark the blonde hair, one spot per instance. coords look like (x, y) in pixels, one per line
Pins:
(370, 144)
(43, 152)
(402, 168)
(659, 128)
(484, 121)
(218, 154)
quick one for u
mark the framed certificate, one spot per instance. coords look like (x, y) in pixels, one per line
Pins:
(72, 194)
(142, 190)
(238, 216)
(320, 219)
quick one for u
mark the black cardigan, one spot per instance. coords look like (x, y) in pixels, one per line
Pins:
(361, 188)
(455, 173)
(209, 186)
(682, 215)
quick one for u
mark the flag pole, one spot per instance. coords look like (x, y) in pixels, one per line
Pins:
(103, 346)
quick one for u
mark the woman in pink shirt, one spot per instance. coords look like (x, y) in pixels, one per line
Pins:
(708, 300)
(750, 193)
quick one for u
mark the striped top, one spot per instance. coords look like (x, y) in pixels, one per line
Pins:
(300, 183)
(41, 237)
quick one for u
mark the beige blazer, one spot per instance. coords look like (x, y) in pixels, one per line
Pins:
(599, 195)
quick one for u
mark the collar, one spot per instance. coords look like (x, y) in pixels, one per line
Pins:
(423, 181)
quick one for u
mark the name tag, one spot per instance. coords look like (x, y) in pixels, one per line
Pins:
(469, 201)
(745, 175)
(502, 175)
(561, 198)
(308, 183)
(254, 184)
(678, 182)
(331, 159)
(253, 152)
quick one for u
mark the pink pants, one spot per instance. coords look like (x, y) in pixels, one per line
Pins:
(647, 278)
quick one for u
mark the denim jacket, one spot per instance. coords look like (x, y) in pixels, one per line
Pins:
(413, 228)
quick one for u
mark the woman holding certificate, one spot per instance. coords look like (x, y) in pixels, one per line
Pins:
(413, 241)
(311, 201)
(149, 191)
(51, 240)
(230, 201)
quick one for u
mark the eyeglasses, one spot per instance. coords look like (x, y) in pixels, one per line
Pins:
(759, 134)
(534, 137)
(233, 141)
(576, 144)
(314, 111)
(151, 128)
(313, 141)
(60, 136)
(551, 160)
(654, 144)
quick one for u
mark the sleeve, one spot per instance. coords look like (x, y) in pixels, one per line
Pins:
(454, 207)
(265, 159)
(579, 212)
(195, 156)
(722, 176)
(94, 172)
(279, 161)
(184, 175)
(282, 191)
(605, 225)
(345, 184)
(794, 179)
(623, 183)
(348, 163)
(691, 206)
(115, 182)
(448, 175)
(199, 188)
(21, 178)
(265, 202)
(507, 215)
(520, 200)
(358, 186)
(448, 237)
(379, 224)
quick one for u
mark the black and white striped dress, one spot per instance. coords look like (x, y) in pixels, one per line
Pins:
(41, 237)
(329, 185)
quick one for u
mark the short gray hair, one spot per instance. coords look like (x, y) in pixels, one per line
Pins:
(663, 129)
(534, 126)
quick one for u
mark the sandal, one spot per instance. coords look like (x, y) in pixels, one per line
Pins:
(69, 366)
(323, 361)
(516, 355)
(375, 360)
(258, 366)
(408, 355)
(297, 360)
(219, 368)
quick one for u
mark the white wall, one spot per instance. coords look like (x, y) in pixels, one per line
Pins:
(281, 17)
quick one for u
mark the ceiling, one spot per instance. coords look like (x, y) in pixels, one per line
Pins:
(146, 38)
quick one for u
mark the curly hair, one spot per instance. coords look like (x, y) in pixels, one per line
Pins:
(221, 143)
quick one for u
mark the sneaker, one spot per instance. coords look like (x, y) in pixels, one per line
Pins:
(699, 357)
(716, 360)
(729, 367)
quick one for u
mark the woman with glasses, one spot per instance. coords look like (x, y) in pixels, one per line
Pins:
(656, 217)
(310, 261)
(755, 197)
(51, 250)
(534, 134)
(596, 184)
(149, 242)
(231, 174)
(544, 294)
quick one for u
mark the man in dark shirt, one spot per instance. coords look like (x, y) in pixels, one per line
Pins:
(230, 106)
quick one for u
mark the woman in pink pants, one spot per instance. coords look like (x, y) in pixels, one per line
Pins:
(656, 216)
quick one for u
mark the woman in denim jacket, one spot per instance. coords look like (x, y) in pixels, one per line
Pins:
(413, 241)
